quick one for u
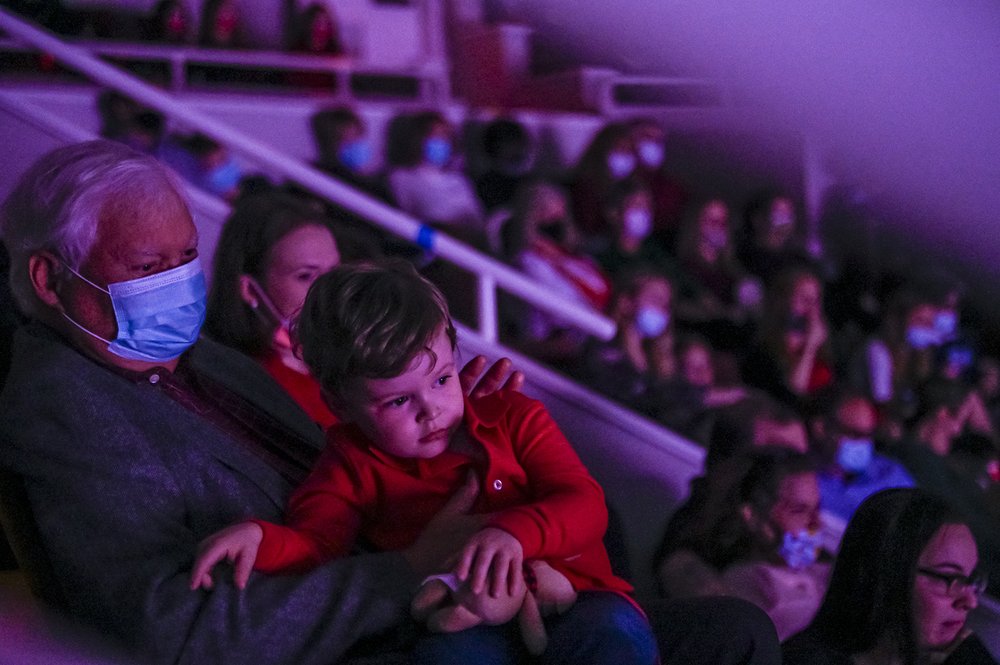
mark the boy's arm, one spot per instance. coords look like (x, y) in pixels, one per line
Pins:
(568, 513)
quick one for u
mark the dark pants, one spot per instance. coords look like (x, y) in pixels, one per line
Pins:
(601, 628)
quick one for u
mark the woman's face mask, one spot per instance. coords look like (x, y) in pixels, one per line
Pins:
(621, 164)
(922, 337)
(638, 223)
(800, 549)
(355, 154)
(437, 151)
(855, 455)
(651, 153)
(651, 321)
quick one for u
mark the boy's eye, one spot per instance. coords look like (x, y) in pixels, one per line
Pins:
(399, 401)
(443, 380)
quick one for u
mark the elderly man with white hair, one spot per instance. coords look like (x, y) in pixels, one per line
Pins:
(127, 439)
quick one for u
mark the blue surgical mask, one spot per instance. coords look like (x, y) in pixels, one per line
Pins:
(801, 549)
(651, 153)
(223, 179)
(922, 337)
(946, 324)
(638, 222)
(355, 155)
(437, 151)
(158, 316)
(854, 455)
(651, 322)
(621, 164)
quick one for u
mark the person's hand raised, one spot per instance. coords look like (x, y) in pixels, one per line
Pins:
(492, 380)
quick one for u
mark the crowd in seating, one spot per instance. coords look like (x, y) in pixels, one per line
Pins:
(724, 334)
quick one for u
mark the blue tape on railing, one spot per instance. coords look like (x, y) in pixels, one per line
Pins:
(425, 237)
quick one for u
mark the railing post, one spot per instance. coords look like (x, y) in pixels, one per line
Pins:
(488, 308)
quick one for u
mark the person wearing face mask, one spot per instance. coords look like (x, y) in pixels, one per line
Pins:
(756, 537)
(622, 367)
(892, 365)
(853, 469)
(423, 178)
(508, 151)
(345, 151)
(905, 580)
(668, 194)
(272, 248)
(628, 215)
(772, 237)
(608, 159)
(542, 241)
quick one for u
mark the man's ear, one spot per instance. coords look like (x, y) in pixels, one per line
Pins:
(248, 291)
(43, 270)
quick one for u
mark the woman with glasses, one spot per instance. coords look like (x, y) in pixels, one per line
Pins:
(902, 588)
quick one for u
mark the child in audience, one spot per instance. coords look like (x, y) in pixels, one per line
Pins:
(669, 196)
(628, 217)
(609, 158)
(381, 341)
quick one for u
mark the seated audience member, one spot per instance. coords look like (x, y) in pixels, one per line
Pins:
(621, 368)
(272, 248)
(852, 469)
(902, 587)
(205, 164)
(509, 153)
(170, 23)
(628, 220)
(315, 32)
(715, 296)
(381, 341)
(791, 358)
(542, 241)
(669, 196)
(344, 150)
(150, 439)
(892, 365)
(609, 158)
(689, 400)
(987, 384)
(773, 238)
(424, 181)
(220, 25)
(755, 537)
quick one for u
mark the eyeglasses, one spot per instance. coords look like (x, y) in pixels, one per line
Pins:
(956, 583)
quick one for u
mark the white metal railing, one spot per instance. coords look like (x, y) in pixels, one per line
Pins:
(491, 273)
(430, 77)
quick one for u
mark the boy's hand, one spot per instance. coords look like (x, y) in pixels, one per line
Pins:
(492, 380)
(492, 555)
(237, 544)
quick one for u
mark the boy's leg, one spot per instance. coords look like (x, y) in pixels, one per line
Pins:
(601, 628)
(713, 631)
(481, 645)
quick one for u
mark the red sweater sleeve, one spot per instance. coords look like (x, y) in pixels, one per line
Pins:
(322, 518)
(567, 514)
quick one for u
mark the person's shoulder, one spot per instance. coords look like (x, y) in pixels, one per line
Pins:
(885, 468)
(806, 648)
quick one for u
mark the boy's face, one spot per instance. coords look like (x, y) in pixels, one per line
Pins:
(414, 415)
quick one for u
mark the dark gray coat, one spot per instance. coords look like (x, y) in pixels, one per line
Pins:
(124, 483)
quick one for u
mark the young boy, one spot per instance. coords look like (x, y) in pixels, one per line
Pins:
(380, 341)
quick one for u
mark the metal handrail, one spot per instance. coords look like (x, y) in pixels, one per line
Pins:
(490, 272)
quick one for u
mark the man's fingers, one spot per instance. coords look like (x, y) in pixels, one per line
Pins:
(244, 564)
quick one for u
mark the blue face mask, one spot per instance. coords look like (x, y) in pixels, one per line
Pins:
(638, 222)
(651, 153)
(651, 322)
(800, 550)
(437, 151)
(355, 155)
(854, 455)
(223, 179)
(946, 324)
(621, 165)
(921, 337)
(159, 316)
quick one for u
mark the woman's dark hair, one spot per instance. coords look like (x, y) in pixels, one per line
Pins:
(257, 224)
(300, 38)
(870, 592)
(593, 166)
(777, 304)
(209, 15)
(714, 528)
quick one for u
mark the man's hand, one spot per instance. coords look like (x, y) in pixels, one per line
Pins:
(493, 556)
(237, 544)
(492, 380)
(446, 532)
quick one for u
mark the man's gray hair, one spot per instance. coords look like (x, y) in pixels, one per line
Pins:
(57, 203)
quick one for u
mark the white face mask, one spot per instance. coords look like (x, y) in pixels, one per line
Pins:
(638, 223)
(621, 165)
(651, 322)
(651, 153)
